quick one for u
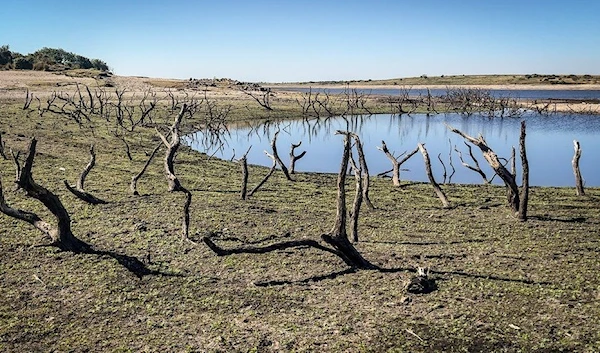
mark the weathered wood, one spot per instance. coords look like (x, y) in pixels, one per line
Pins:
(79, 191)
(294, 158)
(476, 168)
(358, 198)
(279, 161)
(244, 163)
(492, 158)
(524, 195)
(575, 163)
(172, 147)
(445, 175)
(136, 178)
(396, 164)
(338, 237)
(264, 180)
(86, 170)
(61, 235)
(173, 182)
(366, 179)
(436, 187)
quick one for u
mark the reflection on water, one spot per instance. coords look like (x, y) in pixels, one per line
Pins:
(549, 144)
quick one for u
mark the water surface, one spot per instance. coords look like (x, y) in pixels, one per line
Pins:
(549, 144)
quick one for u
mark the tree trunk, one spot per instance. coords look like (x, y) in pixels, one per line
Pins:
(435, 185)
(338, 237)
(135, 178)
(279, 161)
(294, 158)
(576, 171)
(61, 236)
(244, 163)
(524, 197)
(494, 162)
(365, 171)
(78, 191)
(358, 198)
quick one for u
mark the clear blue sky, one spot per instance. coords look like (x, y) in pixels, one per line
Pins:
(302, 40)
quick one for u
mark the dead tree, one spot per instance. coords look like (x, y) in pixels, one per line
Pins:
(28, 99)
(450, 162)
(476, 168)
(276, 156)
(78, 190)
(576, 171)
(492, 158)
(439, 192)
(263, 99)
(524, 195)
(513, 162)
(445, 175)
(244, 163)
(61, 235)
(136, 178)
(395, 162)
(264, 180)
(358, 198)
(294, 158)
(366, 180)
(173, 181)
(337, 238)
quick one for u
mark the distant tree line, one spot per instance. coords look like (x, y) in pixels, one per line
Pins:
(47, 59)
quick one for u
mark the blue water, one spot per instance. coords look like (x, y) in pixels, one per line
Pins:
(549, 144)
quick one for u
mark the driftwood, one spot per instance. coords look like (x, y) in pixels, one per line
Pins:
(475, 168)
(524, 195)
(136, 178)
(396, 164)
(492, 158)
(78, 190)
(439, 192)
(61, 235)
(294, 158)
(576, 170)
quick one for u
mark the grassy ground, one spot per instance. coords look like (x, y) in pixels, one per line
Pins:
(503, 285)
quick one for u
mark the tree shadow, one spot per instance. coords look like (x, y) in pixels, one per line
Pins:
(306, 243)
(424, 243)
(565, 220)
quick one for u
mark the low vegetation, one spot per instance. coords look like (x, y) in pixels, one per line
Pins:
(500, 284)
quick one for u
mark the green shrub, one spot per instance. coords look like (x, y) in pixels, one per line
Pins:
(23, 63)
